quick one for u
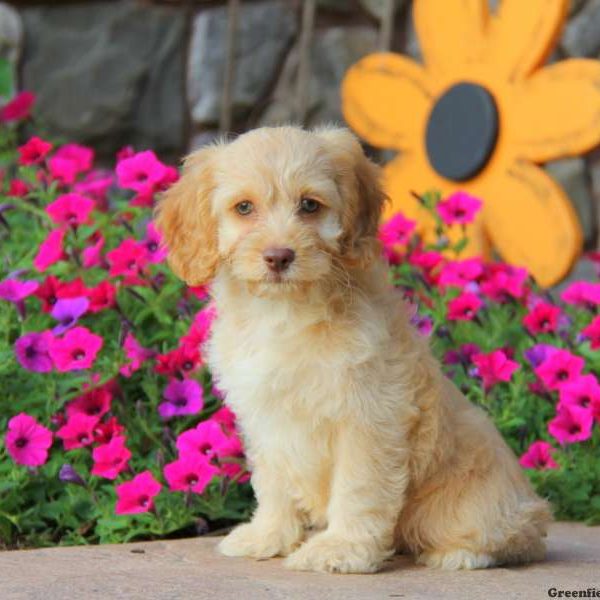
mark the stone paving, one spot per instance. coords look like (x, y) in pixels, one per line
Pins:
(181, 569)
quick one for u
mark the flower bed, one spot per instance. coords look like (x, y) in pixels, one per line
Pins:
(113, 429)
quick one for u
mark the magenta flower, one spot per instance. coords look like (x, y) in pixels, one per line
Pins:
(582, 294)
(94, 403)
(583, 392)
(190, 473)
(542, 318)
(18, 188)
(141, 172)
(92, 255)
(95, 185)
(460, 273)
(67, 312)
(33, 351)
(81, 156)
(136, 496)
(70, 209)
(504, 283)
(153, 244)
(15, 291)
(78, 431)
(200, 328)
(27, 441)
(77, 349)
(592, 333)
(396, 231)
(559, 368)
(423, 324)
(459, 208)
(18, 108)
(136, 354)
(50, 251)
(110, 459)
(225, 418)
(129, 260)
(464, 307)
(571, 424)
(208, 439)
(494, 367)
(62, 170)
(539, 456)
(537, 354)
(182, 398)
(34, 151)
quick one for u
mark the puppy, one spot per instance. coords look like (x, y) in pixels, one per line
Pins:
(358, 444)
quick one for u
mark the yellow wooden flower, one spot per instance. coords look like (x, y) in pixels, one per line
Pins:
(477, 116)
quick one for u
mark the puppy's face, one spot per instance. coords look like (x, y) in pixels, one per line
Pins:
(277, 208)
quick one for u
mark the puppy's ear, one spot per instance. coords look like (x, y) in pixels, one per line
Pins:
(185, 219)
(360, 183)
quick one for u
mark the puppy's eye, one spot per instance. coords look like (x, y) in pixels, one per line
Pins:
(244, 208)
(309, 205)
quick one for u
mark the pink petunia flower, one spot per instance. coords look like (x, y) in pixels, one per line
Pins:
(464, 307)
(92, 255)
(33, 351)
(136, 354)
(539, 456)
(181, 362)
(396, 231)
(592, 333)
(542, 318)
(559, 368)
(16, 290)
(104, 432)
(504, 282)
(27, 441)
(67, 312)
(18, 189)
(583, 392)
(153, 244)
(77, 349)
(226, 418)
(460, 273)
(582, 294)
(190, 473)
(18, 108)
(141, 172)
(70, 209)
(494, 367)
(52, 289)
(182, 398)
(78, 430)
(136, 496)
(34, 151)
(110, 459)
(459, 208)
(81, 156)
(102, 296)
(128, 260)
(207, 439)
(199, 330)
(94, 403)
(571, 424)
(50, 251)
(95, 185)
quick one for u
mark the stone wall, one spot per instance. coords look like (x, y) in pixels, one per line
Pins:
(151, 73)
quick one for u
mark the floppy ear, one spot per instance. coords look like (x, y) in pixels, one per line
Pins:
(184, 218)
(360, 183)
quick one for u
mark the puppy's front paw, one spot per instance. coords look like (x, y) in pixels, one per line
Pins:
(332, 553)
(257, 542)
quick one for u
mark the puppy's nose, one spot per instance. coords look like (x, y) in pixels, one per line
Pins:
(279, 259)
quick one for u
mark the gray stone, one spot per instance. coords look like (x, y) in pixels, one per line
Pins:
(376, 8)
(108, 74)
(203, 138)
(265, 31)
(582, 33)
(411, 41)
(339, 5)
(11, 33)
(571, 174)
(333, 51)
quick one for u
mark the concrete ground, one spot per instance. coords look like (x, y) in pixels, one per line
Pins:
(192, 569)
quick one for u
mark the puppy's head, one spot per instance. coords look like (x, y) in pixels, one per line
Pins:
(278, 207)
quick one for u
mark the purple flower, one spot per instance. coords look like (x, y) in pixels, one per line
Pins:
(423, 324)
(32, 353)
(537, 354)
(68, 474)
(15, 290)
(67, 311)
(182, 398)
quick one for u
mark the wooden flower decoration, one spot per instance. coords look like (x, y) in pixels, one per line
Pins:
(477, 116)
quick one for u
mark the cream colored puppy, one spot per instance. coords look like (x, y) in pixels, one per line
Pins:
(352, 432)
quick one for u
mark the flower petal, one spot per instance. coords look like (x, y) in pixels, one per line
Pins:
(410, 172)
(385, 99)
(451, 32)
(532, 223)
(522, 35)
(556, 112)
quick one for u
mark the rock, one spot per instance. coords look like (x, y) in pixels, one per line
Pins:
(582, 33)
(412, 47)
(338, 5)
(583, 270)
(203, 138)
(571, 174)
(116, 74)
(265, 31)
(333, 51)
(376, 8)
(11, 35)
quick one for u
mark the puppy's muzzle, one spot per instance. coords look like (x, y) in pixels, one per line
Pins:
(278, 259)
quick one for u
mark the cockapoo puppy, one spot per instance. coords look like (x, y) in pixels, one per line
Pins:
(358, 445)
